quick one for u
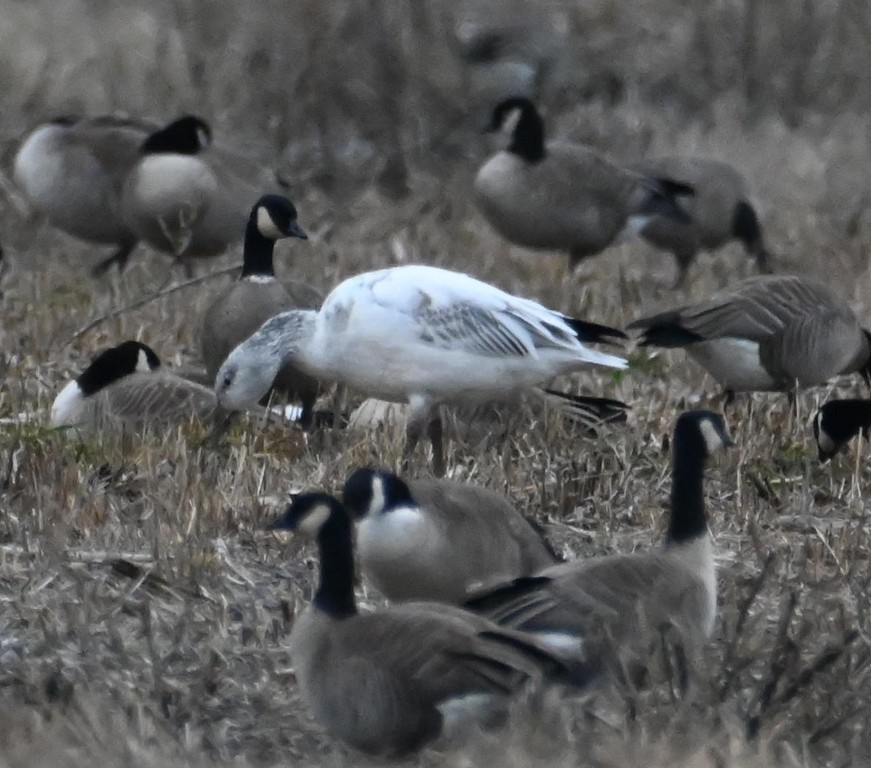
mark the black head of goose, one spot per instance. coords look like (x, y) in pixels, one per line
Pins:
(127, 384)
(562, 196)
(240, 309)
(438, 539)
(607, 608)
(766, 333)
(837, 422)
(390, 681)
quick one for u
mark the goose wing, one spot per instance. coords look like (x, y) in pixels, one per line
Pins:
(755, 309)
(160, 397)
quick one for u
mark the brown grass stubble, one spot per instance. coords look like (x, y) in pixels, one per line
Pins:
(144, 610)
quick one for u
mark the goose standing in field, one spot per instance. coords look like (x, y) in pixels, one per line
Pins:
(73, 170)
(257, 295)
(391, 681)
(420, 335)
(620, 604)
(562, 196)
(438, 539)
(187, 197)
(837, 422)
(127, 385)
(719, 211)
(767, 333)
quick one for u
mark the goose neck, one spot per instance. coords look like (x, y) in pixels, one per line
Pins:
(335, 593)
(688, 518)
(527, 140)
(257, 256)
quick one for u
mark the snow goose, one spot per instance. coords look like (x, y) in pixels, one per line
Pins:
(420, 335)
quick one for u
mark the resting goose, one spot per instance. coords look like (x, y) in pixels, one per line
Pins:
(391, 681)
(438, 539)
(421, 335)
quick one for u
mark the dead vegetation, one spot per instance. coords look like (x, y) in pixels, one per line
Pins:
(143, 609)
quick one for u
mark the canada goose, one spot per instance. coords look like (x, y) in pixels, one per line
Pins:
(604, 605)
(837, 422)
(72, 171)
(125, 384)
(438, 539)
(245, 305)
(390, 681)
(563, 196)
(420, 335)
(186, 196)
(766, 333)
(720, 211)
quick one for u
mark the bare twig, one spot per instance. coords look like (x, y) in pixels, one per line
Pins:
(151, 297)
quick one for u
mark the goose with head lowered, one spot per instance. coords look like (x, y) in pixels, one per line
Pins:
(72, 170)
(616, 607)
(438, 539)
(766, 333)
(421, 335)
(562, 196)
(188, 197)
(839, 421)
(391, 681)
(720, 211)
(257, 295)
(126, 384)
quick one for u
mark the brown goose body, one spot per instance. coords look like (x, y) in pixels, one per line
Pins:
(439, 539)
(766, 333)
(720, 210)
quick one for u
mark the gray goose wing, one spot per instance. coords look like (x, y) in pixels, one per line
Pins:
(159, 397)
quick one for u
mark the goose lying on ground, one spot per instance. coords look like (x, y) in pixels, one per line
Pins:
(391, 681)
(562, 196)
(420, 335)
(767, 333)
(438, 539)
(615, 608)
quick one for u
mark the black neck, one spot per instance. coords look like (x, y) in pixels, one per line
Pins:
(528, 138)
(688, 518)
(257, 258)
(335, 595)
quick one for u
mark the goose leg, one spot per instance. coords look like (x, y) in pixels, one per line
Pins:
(120, 258)
(422, 421)
(435, 431)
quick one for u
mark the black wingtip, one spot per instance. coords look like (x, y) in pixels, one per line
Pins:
(596, 333)
(663, 330)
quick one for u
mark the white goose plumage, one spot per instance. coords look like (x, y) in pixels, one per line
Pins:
(420, 335)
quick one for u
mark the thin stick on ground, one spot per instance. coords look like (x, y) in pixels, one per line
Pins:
(93, 323)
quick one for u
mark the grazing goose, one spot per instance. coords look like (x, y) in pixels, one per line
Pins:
(607, 604)
(390, 681)
(72, 171)
(837, 422)
(563, 196)
(187, 197)
(245, 305)
(420, 335)
(720, 211)
(126, 385)
(438, 539)
(767, 333)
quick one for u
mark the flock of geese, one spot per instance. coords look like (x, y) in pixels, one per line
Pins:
(481, 607)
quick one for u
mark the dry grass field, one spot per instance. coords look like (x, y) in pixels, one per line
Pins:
(144, 611)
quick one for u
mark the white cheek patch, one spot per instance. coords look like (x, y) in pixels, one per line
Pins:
(142, 365)
(203, 137)
(266, 225)
(824, 440)
(713, 441)
(379, 498)
(312, 522)
(509, 122)
(67, 405)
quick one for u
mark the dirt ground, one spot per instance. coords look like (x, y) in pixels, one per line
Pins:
(144, 610)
